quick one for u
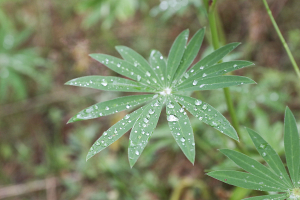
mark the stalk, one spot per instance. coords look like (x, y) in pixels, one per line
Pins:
(216, 44)
(287, 49)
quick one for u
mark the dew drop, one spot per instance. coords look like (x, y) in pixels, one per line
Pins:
(137, 153)
(170, 105)
(198, 102)
(148, 74)
(106, 108)
(195, 82)
(151, 111)
(105, 133)
(172, 118)
(264, 154)
(201, 67)
(204, 107)
(104, 83)
(202, 85)
(138, 77)
(182, 140)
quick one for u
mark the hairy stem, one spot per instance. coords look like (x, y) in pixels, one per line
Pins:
(287, 49)
(216, 45)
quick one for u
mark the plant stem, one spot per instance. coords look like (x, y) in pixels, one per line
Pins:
(287, 49)
(216, 45)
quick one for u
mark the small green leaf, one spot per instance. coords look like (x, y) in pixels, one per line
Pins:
(123, 67)
(270, 156)
(139, 62)
(245, 180)
(252, 166)
(109, 83)
(292, 146)
(212, 58)
(218, 69)
(115, 132)
(214, 83)
(175, 54)
(206, 113)
(181, 128)
(269, 197)
(111, 107)
(190, 53)
(158, 62)
(143, 129)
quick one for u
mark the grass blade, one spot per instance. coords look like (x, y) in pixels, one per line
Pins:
(175, 54)
(111, 107)
(158, 63)
(138, 61)
(252, 166)
(109, 83)
(269, 197)
(270, 156)
(190, 53)
(212, 58)
(143, 129)
(212, 83)
(292, 146)
(245, 180)
(218, 69)
(123, 67)
(209, 115)
(114, 132)
(181, 128)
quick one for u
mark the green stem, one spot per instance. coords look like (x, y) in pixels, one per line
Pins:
(287, 49)
(216, 45)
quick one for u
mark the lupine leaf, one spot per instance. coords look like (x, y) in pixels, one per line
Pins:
(269, 197)
(212, 58)
(190, 53)
(181, 128)
(158, 62)
(110, 83)
(292, 146)
(218, 69)
(214, 83)
(115, 132)
(175, 54)
(270, 156)
(139, 62)
(122, 67)
(111, 107)
(143, 129)
(252, 166)
(245, 180)
(206, 113)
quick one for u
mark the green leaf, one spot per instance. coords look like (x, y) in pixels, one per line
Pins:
(123, 67)
(212, 58)
(252, 166)
(138, 61)
(111, 107)
(158, 62)
(245, 180)
(109, 83)
(214, 83)
(190, 53)
(175, 54)
(115, 132)
(269, 197)
(143, 129)
(292, 146)
(218, 69)
(181, 128)
(206, 113)
(270, 156)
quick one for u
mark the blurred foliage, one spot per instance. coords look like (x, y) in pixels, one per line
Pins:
(36, 143)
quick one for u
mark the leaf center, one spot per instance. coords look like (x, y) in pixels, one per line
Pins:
(166, 91)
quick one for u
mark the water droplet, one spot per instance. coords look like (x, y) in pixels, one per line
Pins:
(138, 77)
(119, 65)
(104, 83)
(106, 108)
(181, 110)
(148, 74)
(264, 154)
(186, 75)
(178, 133)
(182, 140)
(170, 105)
(202, 85)
(105, 133)
(161, 57)
(198, 102)
(137, 153)
(234, 66)
(204, 107)
(204, 75)
(128, 106)
(201, 67)
(262, 146)
(195, 82)
(146, 120)
(200, 118)
(151, 111)
(172, 118)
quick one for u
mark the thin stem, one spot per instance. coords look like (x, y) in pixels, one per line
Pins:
(216, 45)
(287, 49)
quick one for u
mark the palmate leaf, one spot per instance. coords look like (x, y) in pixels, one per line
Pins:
(166, 78)
(275, 178)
